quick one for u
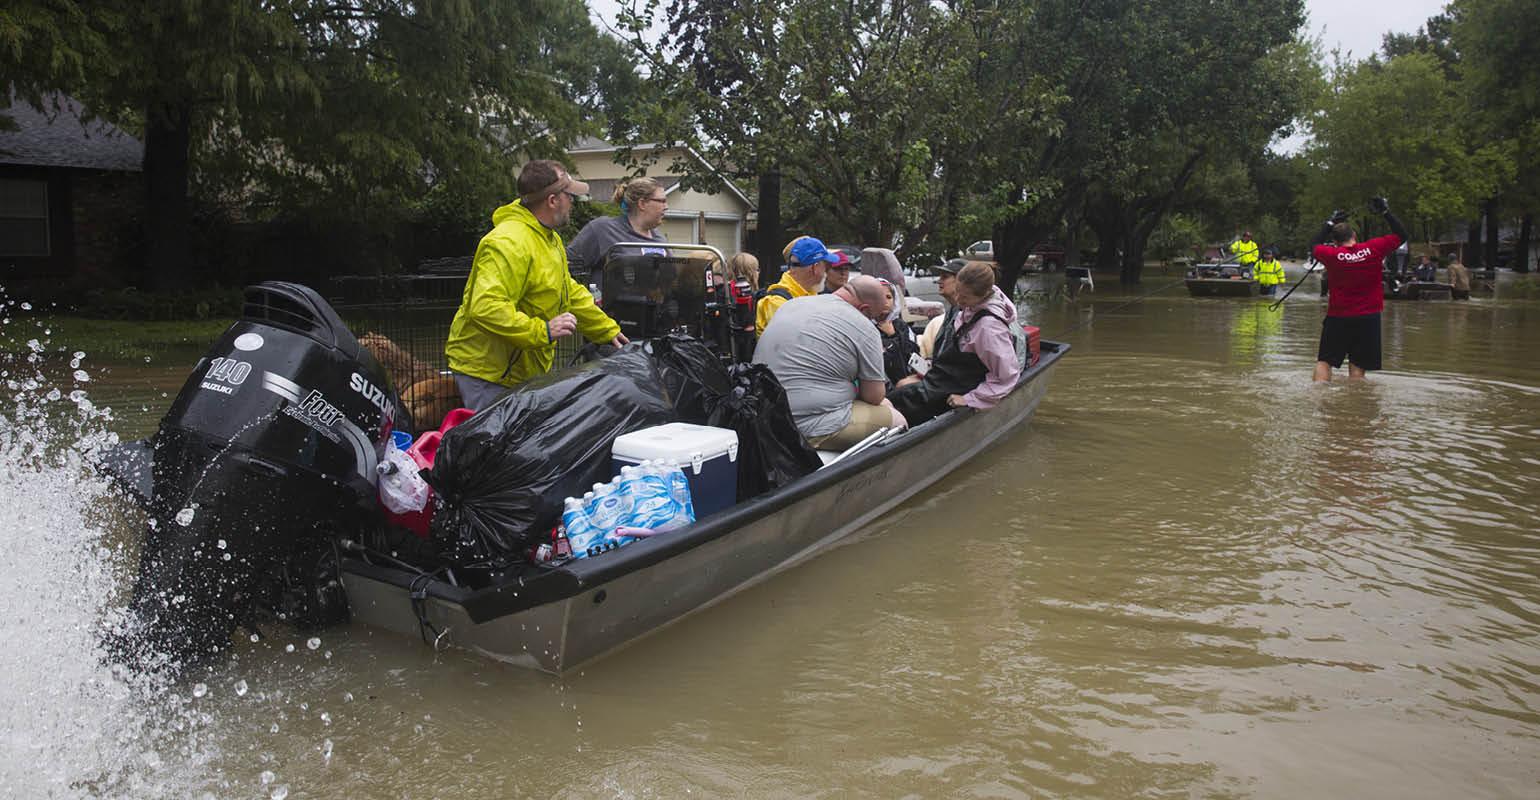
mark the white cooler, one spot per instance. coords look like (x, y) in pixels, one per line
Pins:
(708, 456)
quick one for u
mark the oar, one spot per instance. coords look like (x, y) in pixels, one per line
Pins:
(1313, 264)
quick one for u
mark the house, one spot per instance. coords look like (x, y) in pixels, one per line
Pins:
(70, 193)
(716, 218)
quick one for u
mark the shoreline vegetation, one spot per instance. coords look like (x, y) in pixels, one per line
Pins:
(114, 339)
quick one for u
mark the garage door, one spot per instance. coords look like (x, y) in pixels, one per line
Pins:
(723, 235)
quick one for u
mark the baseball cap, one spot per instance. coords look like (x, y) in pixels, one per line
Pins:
(951, 267)
(840, 259)
(809, 251)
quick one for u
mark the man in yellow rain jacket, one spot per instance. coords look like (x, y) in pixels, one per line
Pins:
(806, 262)
(1268, 272)
(1244, 250)
(520, 298)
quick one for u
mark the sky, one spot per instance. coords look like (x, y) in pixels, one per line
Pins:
(1354, 25)
(1357, 26)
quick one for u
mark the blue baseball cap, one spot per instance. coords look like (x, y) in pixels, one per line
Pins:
(809, 251)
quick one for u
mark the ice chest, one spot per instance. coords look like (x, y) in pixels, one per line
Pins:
(708, 456)
(1034, 344)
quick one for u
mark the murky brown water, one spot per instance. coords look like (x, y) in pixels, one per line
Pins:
(1194, 574)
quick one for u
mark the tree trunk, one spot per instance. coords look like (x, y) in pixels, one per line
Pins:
(768, 240)
(1133, 250)
(1013, 240)
(1490, 254)
(168, 224)
(1472, 255)
(1521, 249)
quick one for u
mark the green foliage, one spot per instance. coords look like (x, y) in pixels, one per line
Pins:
(1177, 235)
(123, 340)
(368, 112)
(1501, 68)
(871, 111)
(1388, 129)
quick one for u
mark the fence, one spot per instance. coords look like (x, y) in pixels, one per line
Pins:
(413, 312)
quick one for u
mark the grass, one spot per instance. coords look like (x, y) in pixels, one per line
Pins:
(109, 339)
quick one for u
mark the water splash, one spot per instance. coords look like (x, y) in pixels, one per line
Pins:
(75, 725)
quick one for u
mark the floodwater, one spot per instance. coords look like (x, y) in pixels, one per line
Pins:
(1194, 573)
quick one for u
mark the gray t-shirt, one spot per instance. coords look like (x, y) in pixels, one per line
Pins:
(586, 250)
(818, 347)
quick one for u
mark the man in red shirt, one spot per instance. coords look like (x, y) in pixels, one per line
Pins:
(1352, 325)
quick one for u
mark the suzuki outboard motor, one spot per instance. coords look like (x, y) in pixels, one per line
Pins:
(267, 456)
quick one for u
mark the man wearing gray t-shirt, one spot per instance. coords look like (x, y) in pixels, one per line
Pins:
(826, 352)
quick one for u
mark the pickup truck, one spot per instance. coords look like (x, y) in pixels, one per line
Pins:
(1044, 256)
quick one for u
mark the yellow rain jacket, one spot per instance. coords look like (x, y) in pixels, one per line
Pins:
(772, 301)
(518, 283)
(1245, 252)
(1268, 273)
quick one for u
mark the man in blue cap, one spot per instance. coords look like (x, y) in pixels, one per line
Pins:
(805, 266)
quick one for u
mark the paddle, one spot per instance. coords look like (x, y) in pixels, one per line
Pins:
(1313, 264)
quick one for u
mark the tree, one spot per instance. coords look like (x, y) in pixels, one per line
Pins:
(868, 113)
(1501, 69)
(1375, 135)
(358, 109)
(1153, 90)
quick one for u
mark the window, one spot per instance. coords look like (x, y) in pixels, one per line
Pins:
(23, 218)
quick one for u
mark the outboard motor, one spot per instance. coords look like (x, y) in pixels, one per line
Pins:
(267, 456)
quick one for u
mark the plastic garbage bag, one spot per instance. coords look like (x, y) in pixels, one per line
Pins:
(771, 451)
(501, 476)
(645, 499)
(693, 375)
(402, 489)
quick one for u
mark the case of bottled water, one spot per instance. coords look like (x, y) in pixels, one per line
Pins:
(643, 500)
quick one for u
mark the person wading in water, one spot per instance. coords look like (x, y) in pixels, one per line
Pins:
(1351, 329)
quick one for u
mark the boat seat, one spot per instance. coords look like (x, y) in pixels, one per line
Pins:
(828, 455)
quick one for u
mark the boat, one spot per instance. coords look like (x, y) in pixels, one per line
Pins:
(1223, 279)
(1420, 290)
(281, 471)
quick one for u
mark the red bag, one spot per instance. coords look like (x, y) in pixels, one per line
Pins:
(422, 452)
(1034, 344)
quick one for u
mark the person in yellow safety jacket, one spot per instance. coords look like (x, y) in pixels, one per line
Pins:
(520, 298)
(1268, 272)
(806, 262)
(1244, 249)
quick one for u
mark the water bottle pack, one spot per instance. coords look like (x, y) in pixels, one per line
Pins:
(645, 499)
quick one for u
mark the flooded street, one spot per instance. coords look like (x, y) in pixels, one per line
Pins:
(1194, 573)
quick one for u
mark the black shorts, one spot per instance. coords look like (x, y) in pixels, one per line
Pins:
(1356, 338)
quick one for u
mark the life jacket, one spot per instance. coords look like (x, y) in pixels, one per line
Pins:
(952, 371)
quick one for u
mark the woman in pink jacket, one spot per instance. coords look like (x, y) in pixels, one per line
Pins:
(974, 364)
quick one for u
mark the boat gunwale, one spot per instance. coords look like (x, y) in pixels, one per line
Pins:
(579, 575)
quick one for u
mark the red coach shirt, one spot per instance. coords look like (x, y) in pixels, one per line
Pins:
(1356, 275)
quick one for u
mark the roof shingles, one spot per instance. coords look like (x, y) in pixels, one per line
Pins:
(64, 140)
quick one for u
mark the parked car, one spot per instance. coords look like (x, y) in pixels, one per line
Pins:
(1044, 256)
(852, 252)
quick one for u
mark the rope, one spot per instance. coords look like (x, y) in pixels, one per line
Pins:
(1088, 320)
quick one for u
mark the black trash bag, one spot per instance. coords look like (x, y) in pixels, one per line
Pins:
(771, 451)
(693, 375)
(502, 475)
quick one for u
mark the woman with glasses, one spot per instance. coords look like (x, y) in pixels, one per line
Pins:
(643, 203)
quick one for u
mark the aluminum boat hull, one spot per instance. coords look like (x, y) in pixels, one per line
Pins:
(1222, 287)
(566, 616)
